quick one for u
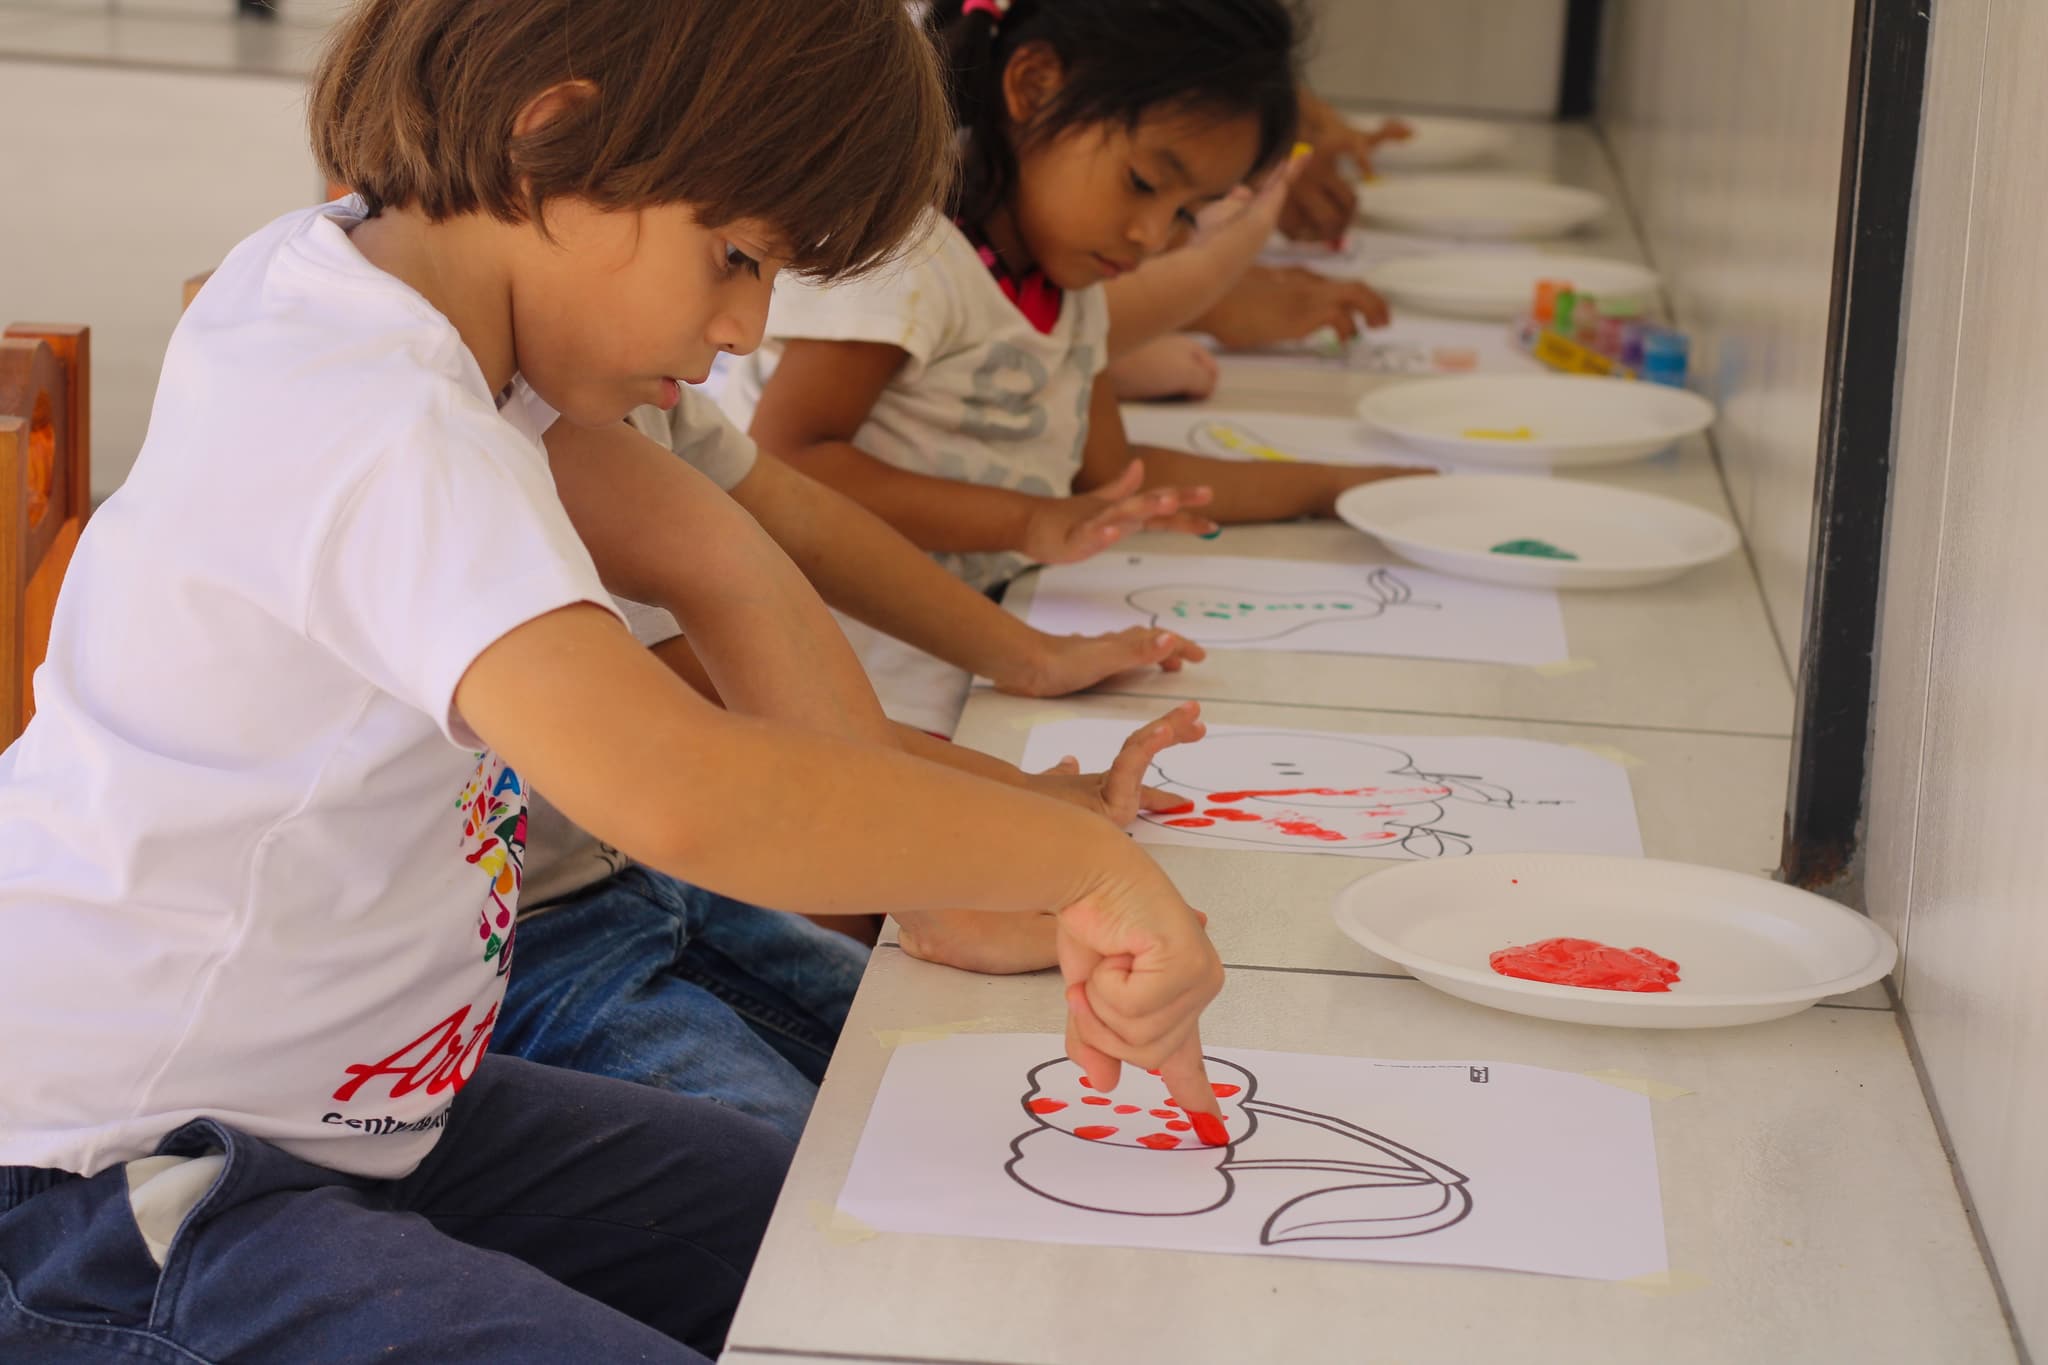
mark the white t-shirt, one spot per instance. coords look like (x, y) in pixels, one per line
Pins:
(984, 397)
(253, 866)
(563, 858)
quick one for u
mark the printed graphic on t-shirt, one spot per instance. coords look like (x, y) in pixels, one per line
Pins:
(493, 809)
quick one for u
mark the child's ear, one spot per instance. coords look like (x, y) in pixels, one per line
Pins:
(1032, 78)
(550, 104)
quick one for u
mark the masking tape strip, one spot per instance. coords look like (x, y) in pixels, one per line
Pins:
(926, 1033)
(1563, 667)
(840, 1229)
(1612, 754)
(1642, 1085)
(1666, 1282)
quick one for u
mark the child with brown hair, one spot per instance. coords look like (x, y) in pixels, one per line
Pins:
(309, 660)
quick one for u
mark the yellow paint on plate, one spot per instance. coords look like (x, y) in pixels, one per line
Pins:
(1499, 434)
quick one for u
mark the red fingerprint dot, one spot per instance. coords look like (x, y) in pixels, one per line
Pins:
(1045, 1104)
(1180, 1125)
(1159, 1142)
(1087, 1084)
(1191, 822)
(1225, 1090)
(1095, 1132)
(1171, 1104)
(1125, 1109)
(1164, 1113)
(1093, 1099)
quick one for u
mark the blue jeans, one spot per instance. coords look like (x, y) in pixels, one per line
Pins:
(649, 979)
(559, 1218)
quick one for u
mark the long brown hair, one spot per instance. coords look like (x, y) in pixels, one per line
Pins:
(823, 118)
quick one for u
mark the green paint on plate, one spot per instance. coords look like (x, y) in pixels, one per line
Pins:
(1534, 549)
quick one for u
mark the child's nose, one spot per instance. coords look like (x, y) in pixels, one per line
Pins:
(1150, 232)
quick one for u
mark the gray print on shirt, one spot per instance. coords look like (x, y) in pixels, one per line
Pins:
(1004, 405)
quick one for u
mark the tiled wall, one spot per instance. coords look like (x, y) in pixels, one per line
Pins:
(1493, 56)
(1955, 863)
(1726, 119)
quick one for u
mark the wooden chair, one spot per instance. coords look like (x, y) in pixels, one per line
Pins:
(45, 494)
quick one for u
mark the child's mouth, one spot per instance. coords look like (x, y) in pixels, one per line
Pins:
(1110, 269)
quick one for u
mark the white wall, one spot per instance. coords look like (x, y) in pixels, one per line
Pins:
(1726, 120)
(1956, 864)
(130, 182)
(1495, 56)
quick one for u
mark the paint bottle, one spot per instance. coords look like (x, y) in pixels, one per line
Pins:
(1586, 322)
(1542, 311)
(1664, 357)
(1632, 334)
(1561, 314)
(1608, 341)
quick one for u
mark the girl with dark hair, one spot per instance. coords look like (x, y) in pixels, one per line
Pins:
(961, 396)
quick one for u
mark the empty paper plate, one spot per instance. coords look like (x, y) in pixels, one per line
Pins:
(1481, 206)
(1501, 284)
(1535, 420)
(1679, 946)
(1433, 142)
(1537, 533)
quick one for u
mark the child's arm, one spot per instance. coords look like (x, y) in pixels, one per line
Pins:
(778, 816)
(822, 392)
(689, 558)
(1269, 306)
(1174, 290)
(865, 568)
(1244, 491)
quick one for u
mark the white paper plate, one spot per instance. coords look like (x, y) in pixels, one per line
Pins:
(1508, 528)
(1501, 284)
(1482, 206)
(1521, 421)
(1747, 949)
(1433, 142)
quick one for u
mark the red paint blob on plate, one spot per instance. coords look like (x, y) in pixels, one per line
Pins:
(1180, 1125)
(1093, 1099)
(1125, 1109)
(1226, 813)
(1583, 962)
(1192, 822)
(1045, 1104)
(1095, 1132)
(1087, 1084)
(1224, 1091)
(1210, 1130)
(1306, 829)
(1182, 809)
(1159, 1142)
(1163, 1113)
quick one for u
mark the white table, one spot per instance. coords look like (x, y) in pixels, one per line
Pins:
(1810, 1212)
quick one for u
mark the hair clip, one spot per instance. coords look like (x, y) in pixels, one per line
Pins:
(994, 9)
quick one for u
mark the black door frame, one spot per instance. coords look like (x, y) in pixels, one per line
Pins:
(1852, 484)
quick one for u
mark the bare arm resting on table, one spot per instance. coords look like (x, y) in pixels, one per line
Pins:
(630, 753)
(1244, 490)
(864, 567)
(821, 394)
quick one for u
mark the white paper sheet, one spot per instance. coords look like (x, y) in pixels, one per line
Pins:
(1233, 434)
(1404, 797)
(1362, 249)
(1226, 602)
(1337, 1158)
(1411, 346)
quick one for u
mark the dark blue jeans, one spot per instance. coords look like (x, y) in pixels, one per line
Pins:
(561, 1217)
(649, 979)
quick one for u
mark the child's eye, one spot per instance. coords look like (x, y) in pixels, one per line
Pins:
(1187, 219)
(737, 260)
(1140, 184)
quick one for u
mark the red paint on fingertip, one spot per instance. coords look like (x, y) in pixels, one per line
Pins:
(1210, 1130)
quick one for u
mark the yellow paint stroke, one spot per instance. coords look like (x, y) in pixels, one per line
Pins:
(1667, 1282)
(1642, 1085)
(1230, 438)
(1499, 434)
(840, 1229)
(1612, 754)
(1563, 667)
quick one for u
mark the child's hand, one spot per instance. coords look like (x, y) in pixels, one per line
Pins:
(1119, 794)
(1173, 366)
(992, 942)
(1321, 202)
(1269, 306)
(1070, 663)
(1066, 530)
(1139, 969)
